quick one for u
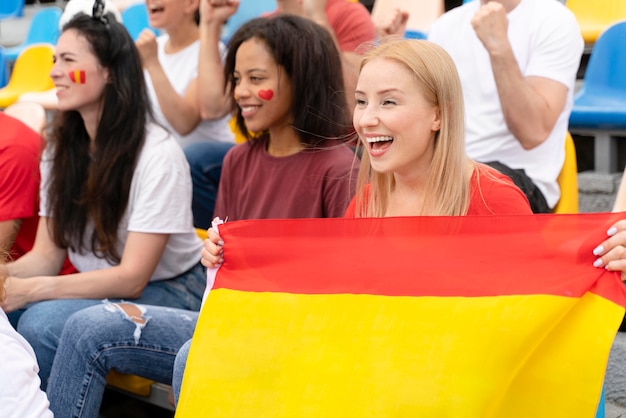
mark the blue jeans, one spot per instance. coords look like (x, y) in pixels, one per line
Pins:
(205, 161)
(41, 323)
(179, 369)
(102, 337)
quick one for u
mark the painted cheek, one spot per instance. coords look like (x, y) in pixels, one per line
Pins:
(266, 94)
(78, 76)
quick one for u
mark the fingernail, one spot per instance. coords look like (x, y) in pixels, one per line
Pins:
(597, 263)
(598, 250)
(220, 243)
(612, 231)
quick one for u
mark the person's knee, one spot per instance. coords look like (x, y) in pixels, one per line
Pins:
(179, 369)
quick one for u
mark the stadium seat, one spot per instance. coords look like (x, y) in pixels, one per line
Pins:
(11, 8)
(594, 17)
(135, 19)
(44, 28)
(600, 106)
(568, 180)
(30, 73)
(247, 10)
(4, 69)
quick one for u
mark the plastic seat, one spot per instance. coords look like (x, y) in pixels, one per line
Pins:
(594, 17)
(414, 34)
(4, 69)
(568, 180)
(44, 28)
(30, 73)
(32, 115)
(600, 106)
(247, 10)
(135, 19)
(11, 8)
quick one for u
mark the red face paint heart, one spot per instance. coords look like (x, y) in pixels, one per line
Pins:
(266, 94)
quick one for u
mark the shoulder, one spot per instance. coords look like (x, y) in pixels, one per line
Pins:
(493, 193)
(159, 145)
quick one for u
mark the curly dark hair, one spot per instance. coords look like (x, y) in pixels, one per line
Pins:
(308, 54)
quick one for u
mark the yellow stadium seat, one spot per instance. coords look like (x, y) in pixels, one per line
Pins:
(568, 180)
(130, 383)
(30, 73)
(594, 16)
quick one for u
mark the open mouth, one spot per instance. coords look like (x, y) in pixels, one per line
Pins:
(378, 143)
(155, 9)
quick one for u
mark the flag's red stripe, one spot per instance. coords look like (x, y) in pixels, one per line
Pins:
(438, 256)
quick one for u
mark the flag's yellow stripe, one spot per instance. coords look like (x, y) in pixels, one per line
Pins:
(289, 355)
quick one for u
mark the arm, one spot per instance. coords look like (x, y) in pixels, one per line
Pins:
(8, 232)
(44, 259)
(531, 105)
(392, 24)
(213, 99)
(126, 280)
(181, 112)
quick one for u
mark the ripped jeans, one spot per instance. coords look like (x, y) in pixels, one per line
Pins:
(135, 339)
(42, 323)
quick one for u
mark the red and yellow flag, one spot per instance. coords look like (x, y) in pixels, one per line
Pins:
(501, 316)
(78, 76)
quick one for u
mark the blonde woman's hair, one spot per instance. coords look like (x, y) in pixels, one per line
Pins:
(447, 190)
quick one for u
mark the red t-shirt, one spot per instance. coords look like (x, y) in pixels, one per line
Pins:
(20, 149)
(351, 23)
(314, 183)
(491, 193)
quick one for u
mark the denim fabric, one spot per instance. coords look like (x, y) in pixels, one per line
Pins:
(179, 369)
(41, 323)
(205, 161)
(100, 338)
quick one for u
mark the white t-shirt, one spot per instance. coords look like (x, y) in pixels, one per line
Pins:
(159, 203)
(181, 68)
(20, 395)
(546, 42)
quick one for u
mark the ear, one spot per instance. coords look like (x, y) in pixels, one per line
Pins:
(437, 121)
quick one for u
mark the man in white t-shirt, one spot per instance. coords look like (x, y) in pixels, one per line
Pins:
(517, 60)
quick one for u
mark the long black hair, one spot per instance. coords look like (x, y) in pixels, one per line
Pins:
(95, 187)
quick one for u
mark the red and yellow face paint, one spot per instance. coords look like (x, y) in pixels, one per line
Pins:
(78, 76)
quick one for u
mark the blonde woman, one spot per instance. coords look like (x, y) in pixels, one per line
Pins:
(409, 117)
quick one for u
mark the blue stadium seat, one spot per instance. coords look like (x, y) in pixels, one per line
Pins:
(600, 106)
(248, 9)
(135, 19)
(44, 28)
(4, 69)
(11, 8)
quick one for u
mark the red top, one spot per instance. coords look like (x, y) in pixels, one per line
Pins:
(491, 193)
